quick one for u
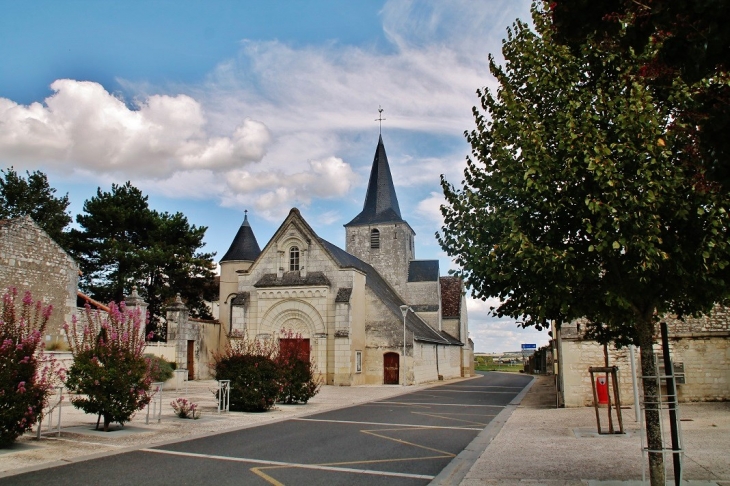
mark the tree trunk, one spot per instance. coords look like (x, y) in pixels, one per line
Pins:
(652, 408)
(107, 421)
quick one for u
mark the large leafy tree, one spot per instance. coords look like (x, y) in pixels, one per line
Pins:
(123, 243)
(691, 41)
(34, 197)
(581, 198)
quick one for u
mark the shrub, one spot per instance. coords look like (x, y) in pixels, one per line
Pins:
(109, 368)
(186, 409)
(250, 366)
(160, 368)
(27, 377)
(296, 370)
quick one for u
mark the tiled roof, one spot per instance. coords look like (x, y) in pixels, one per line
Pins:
(423, 271)
(381, 202)
(292, 279)
(244, 246)
(420, 330)
(450, 296)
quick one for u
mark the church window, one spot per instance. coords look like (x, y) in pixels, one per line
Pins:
(294, 258)
(358, 361)
(375, 239)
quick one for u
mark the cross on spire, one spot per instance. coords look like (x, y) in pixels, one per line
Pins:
(380, 119)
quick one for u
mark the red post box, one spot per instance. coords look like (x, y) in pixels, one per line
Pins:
(602, 390)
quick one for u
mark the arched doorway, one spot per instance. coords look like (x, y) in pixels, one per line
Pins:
(391, 368)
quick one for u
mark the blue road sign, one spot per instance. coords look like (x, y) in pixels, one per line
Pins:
(529, 346)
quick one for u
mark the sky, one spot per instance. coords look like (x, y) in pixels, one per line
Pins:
(212, 108)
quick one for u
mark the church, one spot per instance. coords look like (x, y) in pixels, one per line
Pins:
(369, 314)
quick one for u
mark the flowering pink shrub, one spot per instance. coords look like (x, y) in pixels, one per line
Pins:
(184, 408)
(27, 377)
(109, 368)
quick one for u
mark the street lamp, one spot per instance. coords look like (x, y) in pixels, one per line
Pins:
(404, 309)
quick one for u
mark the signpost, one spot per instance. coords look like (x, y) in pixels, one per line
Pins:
(526, 348)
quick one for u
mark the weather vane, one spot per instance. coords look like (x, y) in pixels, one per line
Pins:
(380, 119)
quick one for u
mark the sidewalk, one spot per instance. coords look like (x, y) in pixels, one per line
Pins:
(543, 445)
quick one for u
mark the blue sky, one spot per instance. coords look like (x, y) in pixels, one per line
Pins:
(215, 107)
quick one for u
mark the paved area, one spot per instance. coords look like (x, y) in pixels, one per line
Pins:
(405, 439)
(541, 445)
(527, 442)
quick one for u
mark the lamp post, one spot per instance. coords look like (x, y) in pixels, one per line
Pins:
(404, 309)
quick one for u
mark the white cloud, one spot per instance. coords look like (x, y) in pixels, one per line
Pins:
(84, 126)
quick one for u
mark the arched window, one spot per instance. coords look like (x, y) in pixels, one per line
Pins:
(293, 258)
(374, 239)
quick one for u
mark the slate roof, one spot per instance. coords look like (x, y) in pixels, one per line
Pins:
(240, 299)
(450, 296)
(343, 294)
(381, 202)
(292, 279)
(420, 330)
(244, 246)
(423, 271)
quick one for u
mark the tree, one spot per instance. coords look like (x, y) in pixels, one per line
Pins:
(32, 196)
(691, 41)
(27, 377)
(109, 370)
(123, 243)
(581, 199)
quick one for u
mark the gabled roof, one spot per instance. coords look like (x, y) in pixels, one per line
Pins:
(450, 296)
(381, 202)
(420, 330)
(244, 246)
(423, 271)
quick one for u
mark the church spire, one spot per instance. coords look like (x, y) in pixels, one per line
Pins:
(244, 246)
(381, 202)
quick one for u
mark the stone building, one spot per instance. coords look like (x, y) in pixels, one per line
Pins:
(700, 350)
(347, 304)
(31, 260)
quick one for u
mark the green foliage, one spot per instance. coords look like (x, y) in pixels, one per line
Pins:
(26, 376)
(254, 381)
(123, 243)
(296, 371)
(583, 197)
(32, 196)
(160, 368)
(109, 369)
(685, 39)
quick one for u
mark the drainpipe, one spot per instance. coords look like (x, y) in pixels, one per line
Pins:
(437, 362)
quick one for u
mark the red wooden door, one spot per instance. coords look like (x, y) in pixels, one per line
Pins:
(391, 369)
(294, 348)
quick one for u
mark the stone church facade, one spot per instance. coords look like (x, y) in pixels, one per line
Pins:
(347, 304)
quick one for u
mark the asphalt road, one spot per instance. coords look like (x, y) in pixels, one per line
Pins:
(405, 440)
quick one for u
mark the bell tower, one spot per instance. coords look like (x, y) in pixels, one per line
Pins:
(379, 235)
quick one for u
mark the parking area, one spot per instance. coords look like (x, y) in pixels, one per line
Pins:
(406, 440)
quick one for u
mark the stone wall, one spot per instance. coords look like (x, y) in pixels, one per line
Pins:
(701, 344)
(31, 260)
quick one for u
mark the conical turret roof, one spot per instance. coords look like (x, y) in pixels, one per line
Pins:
(244, 246)
(381, 202)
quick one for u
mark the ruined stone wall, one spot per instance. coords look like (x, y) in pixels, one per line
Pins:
(31, 260)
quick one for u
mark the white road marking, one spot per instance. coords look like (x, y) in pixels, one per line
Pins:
(388, 424)
(290, 464)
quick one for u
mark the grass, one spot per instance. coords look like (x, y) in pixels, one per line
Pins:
(512, 368)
